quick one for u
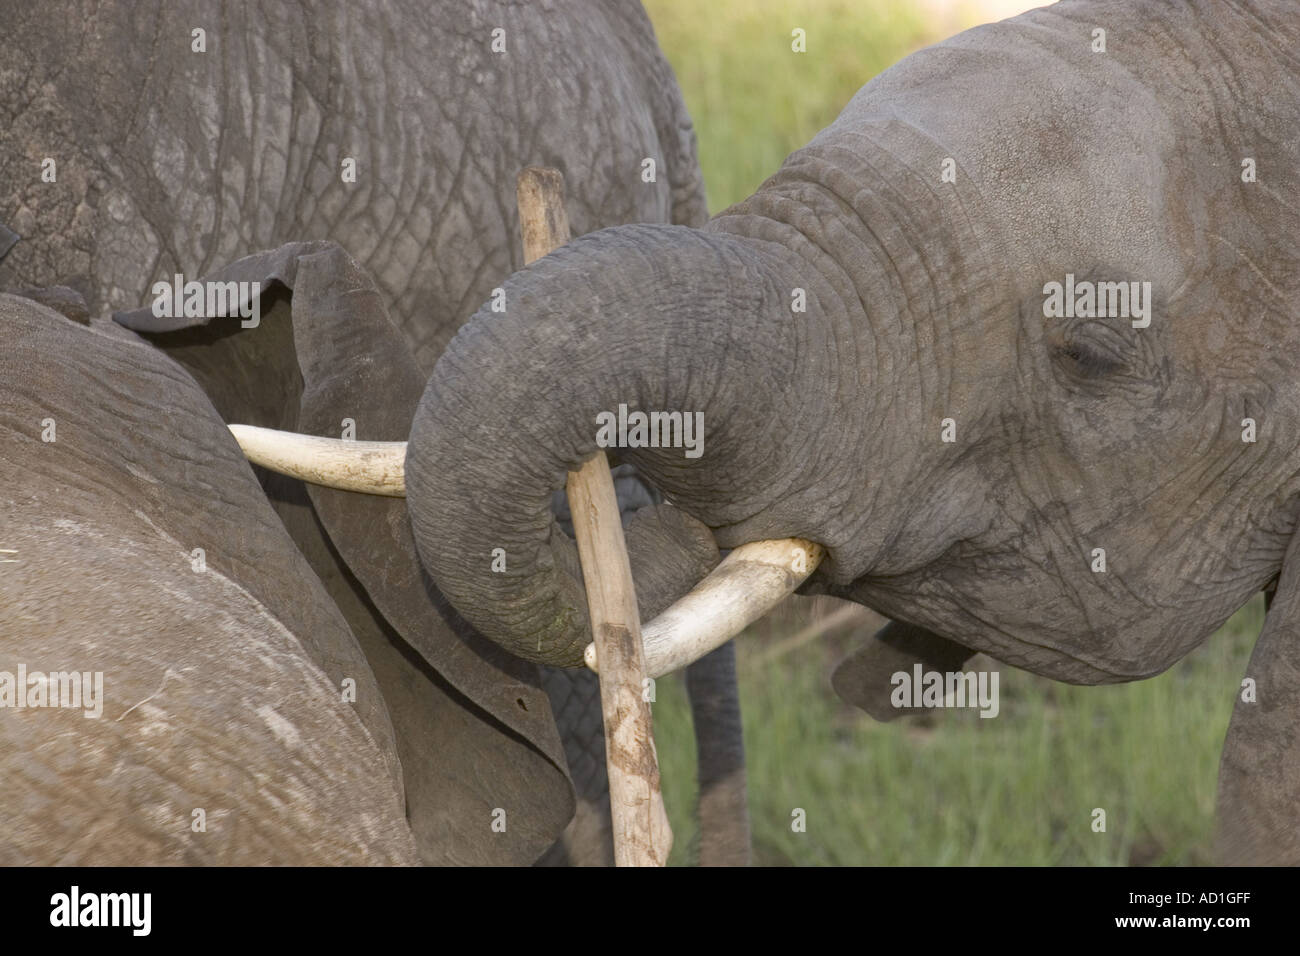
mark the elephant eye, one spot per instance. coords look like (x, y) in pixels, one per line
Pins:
(1094, 351)
(1087, 361)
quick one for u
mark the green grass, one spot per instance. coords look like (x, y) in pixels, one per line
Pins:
(754, 101)
(949, 787)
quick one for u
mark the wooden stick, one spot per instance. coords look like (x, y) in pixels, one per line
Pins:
(642, 836)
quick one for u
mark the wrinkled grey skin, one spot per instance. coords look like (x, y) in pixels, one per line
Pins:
(222, 682)
(175, 161)
(925, 302)
(171, 160)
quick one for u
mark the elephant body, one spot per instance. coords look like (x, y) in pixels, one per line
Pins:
(225, 737)
(170, 160)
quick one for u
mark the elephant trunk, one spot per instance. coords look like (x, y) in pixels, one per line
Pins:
(676, 349)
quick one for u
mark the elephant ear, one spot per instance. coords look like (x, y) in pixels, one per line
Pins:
(865, 678)
(673, 127)
(8, 239)
(1259, 770)
(474, 726)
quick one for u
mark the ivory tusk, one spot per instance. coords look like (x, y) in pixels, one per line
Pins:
(371, 467)
(750, 581)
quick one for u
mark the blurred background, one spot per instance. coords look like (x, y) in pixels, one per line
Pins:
(948, 787)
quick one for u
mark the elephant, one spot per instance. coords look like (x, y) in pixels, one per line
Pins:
(395, 131)
(878, 346)
(138, 547)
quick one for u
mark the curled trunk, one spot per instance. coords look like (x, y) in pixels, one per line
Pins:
(649, 318)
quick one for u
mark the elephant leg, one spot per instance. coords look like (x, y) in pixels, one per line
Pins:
(1259, 771)
(723, 807)
(864, 678)
(588, 840)
(720, 748)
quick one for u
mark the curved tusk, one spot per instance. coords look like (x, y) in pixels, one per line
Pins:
(371, 467)
(750, 581)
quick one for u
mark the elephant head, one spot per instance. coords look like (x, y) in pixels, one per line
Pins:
(880, 368)
(1014, 339)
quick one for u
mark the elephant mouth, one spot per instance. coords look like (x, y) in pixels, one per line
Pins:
(749, 582)
(8, 239)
